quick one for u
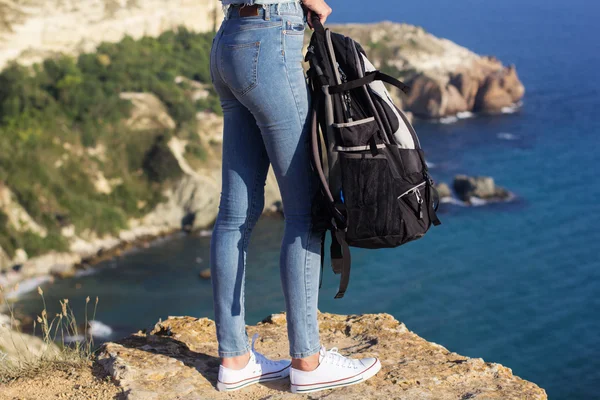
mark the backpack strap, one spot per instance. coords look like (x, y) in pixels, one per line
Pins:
(434, 203)
(341, 260)
(369, 78)
(323, 236)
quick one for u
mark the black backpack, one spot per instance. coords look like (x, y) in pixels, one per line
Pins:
(376, 191)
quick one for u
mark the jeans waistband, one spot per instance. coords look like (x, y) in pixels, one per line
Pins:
(265, 11)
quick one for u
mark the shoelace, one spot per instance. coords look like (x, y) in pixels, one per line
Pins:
(332, 356)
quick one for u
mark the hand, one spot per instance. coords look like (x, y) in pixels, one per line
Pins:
(319, 7)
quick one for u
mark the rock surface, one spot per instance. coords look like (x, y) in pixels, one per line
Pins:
(443, 190)
(482, 187)
(148, 112)
(17, 347)
(178, 359)
(445, 78)
(31, 30)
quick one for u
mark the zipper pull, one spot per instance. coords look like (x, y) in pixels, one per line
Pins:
(420, 202)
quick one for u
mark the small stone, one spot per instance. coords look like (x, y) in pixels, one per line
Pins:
(205, 274)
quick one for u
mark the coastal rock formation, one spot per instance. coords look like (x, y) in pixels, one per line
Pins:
(481, 187)
(178, 359)
(443, 190)
(445, 78)
(35, 29)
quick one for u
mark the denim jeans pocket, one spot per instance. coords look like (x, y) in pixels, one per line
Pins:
(239, 66)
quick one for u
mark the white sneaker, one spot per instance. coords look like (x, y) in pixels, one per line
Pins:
(334, 371)
(258, 369)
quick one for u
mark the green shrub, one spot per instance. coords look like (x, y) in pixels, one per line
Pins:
(52, 112)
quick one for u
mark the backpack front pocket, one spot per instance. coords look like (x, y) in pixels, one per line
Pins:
(382, 211)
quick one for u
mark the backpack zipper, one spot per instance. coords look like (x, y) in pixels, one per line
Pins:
(419, 198)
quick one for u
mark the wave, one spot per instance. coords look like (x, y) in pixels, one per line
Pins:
(86, 272)
(205, 233)
(430, 164)
(74, 338)
(507, 136)
(475, 201)
(96, 329)
(465, 115)
(511, 109)
(27, 285)
(99, 329)
(448, 120)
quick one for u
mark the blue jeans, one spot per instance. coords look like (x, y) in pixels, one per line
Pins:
(257, 72)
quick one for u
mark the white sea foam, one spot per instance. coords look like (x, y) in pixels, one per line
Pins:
(205, 233)
(86, 272)
(430, 164)
(453, 201)
(96, 329)
(26, 286)
(477, 202)
(448, 120)
(507, 136)
(74, 338)
(465, 115)
(100, 330)
(511, 109)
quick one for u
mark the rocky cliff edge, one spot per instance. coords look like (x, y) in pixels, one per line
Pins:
(178, 359)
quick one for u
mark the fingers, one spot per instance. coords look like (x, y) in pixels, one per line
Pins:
(325, 13)
(319, 8)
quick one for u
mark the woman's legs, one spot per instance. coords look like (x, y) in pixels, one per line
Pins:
(259, 77)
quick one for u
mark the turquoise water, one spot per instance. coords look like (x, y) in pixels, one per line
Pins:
(515, 283)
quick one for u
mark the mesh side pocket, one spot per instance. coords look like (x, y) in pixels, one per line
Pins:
(382, 211)
(370, 201)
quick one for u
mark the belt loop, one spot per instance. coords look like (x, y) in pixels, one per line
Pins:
(267, 8)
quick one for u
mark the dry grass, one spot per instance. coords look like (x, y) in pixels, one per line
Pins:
(26, 356)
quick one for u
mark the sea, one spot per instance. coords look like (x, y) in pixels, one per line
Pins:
(517, 283)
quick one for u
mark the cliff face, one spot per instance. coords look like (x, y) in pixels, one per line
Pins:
(445, 78)
(178, 359)
(31, 30)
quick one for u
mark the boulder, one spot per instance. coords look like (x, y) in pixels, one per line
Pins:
(467, 86)
(178, 360)
(481, 187)
(205, 274)
(500, 89)
(425, 97)
(443, 190)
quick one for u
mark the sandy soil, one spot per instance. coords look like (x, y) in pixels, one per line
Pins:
(67, 383)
